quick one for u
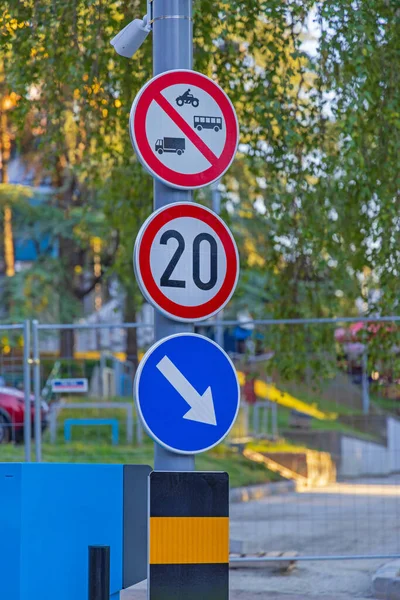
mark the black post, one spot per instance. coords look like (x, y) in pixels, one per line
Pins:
(99, 572)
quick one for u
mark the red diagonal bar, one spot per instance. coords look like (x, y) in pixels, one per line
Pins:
(186, 129)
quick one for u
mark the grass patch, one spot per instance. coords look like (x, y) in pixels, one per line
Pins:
(241, 470)
(99, 434)
(315, 398)
(343, 428)
(279, 446)
(386, 404)
(328, 425)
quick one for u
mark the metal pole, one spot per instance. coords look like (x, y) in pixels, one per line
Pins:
(274, 421)
(27, 392)
(172, 49)
(129, 424)
(255, 419)
(99, 573)
(266, 419)
(36, 391)
(102, 365)
(262, 559)
(245, 409)
(139, 432)
(216, 206)
(216, 198)
(365, 384)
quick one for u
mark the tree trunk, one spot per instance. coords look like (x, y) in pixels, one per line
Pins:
(65, 183)
(5, 152)
(67, 343)
(67, 337)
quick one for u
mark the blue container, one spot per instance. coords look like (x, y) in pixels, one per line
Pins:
(51, 513)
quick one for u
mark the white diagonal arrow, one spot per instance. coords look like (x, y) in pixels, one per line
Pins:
(201, 407)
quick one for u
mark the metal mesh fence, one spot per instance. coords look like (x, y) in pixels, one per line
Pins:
(335, 386)
(320, 411)
(16, 402)
(95, 422)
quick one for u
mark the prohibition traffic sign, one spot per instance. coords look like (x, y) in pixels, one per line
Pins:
(187, 393)
(186, 261)
(184, 129)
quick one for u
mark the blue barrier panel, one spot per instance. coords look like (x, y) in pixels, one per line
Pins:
(68, 423)
(52, 513)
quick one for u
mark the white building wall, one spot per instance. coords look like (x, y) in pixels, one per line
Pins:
(359, 457)
(393, 429)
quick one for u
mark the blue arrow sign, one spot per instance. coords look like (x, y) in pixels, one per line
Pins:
(187, 393)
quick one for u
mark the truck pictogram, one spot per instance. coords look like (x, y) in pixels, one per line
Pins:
(169, 144)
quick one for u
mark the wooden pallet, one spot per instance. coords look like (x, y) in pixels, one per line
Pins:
(287, 563)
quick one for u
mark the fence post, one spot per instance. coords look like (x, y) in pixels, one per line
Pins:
(118, 376)
(53, 424)
(274, 421)
(246, 417)
(102, 365)
(365, 384)
(129, 424)
(256, 419)
(266, 420)
(99, 573)
(36, 391)
(27, 391)
(139, 431)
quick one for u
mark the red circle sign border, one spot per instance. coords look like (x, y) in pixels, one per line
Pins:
(137, 128)
(141, 262)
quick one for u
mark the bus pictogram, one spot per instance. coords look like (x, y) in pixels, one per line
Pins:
(207, 123)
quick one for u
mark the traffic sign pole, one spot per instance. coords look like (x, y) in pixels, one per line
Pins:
(216, 206)
(172, 49)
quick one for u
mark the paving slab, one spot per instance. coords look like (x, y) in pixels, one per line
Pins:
(386, 581)
(142, 595)
(348, 518)
(139, 592)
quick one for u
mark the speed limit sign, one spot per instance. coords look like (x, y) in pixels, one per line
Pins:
(186, 261)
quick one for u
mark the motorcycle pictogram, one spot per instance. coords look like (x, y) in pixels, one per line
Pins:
(187, 98)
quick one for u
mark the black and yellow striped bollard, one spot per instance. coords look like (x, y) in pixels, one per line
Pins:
(188, 536)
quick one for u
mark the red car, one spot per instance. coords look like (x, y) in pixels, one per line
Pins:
(12, 411)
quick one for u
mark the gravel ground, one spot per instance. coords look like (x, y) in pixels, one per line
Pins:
(141, 595)
(330, 581)
(360, 517)
(338, 581)
(343, 519)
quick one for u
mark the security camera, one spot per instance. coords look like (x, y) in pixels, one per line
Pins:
(129, 40)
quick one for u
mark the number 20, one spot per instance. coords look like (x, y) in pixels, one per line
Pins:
(166, 280)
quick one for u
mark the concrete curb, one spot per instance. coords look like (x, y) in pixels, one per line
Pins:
(256, 492)
(386, 581)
